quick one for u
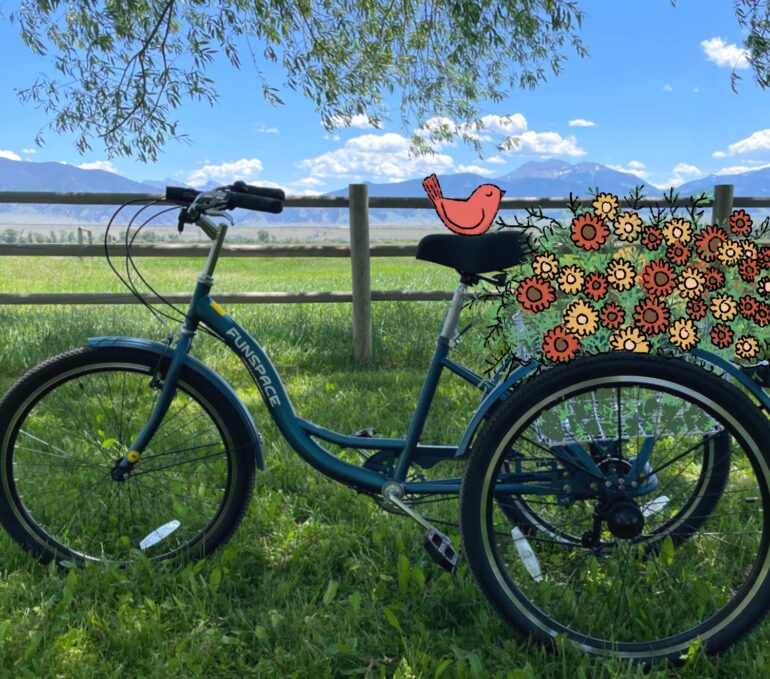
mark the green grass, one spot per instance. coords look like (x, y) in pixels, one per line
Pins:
(318, 581)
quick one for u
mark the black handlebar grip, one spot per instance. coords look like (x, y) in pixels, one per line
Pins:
(264, 191)
(179, 194)
(251, 202)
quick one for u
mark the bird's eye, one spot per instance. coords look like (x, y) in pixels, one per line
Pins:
(489, 193)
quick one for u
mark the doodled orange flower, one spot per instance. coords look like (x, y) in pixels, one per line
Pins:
(696, 308)
(628, 225)
(545, 266)
(721, 336)
(747, 306)
(559, 345)
(715, 279)
(723, 307)
(746, 346)
(652, 238)
(708, 240)
(748, 269)
(729, 252)
(762, 315)
(612, 315)
(658, 278)
(580, 318)
(690, 283)
(763, 287)
(589, 232)
(605, 206)
(740, 223)
(535, 294)
(629, 339)
(763, 255)
(621, 274)
(571, 279)
(676, 253)
(651, 316)
(596, 285)
(677, 231)
(683, 334)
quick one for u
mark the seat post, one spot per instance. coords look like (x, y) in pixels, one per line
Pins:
(453, 315)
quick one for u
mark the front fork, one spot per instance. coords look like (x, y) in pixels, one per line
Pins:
(124, 465)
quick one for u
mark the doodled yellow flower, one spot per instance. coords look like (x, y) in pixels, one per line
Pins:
(677, 231)
(729, 252)
(545, 266)
(571, 279)
(748, 248)
(746, 347)
(690, 283)
(723, 307)
(581, 318)
(621, 274)
(683, 334)
(628, 226)
(629, 339)
(605, 206)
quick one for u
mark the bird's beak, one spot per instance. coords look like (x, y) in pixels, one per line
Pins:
(502, 192)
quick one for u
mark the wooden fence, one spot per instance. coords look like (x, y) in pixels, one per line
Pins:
(360, 251)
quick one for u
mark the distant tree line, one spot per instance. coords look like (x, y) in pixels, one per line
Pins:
(12, 235)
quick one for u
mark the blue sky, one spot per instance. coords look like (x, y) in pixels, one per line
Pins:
(653, 98)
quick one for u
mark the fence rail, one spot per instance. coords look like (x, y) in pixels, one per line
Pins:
(360, 251)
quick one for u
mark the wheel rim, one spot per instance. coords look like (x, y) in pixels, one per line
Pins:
(70, 433)
(656, 592)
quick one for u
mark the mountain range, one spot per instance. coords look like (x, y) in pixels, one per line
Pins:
(536, 179)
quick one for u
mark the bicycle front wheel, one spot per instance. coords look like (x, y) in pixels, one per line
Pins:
(66, 423)
(641, 566)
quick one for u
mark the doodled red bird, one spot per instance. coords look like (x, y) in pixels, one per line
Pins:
(469, 217)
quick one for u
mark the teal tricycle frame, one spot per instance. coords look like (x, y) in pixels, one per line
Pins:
(302, 435)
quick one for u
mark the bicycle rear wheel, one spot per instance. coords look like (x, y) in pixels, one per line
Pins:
(641, 572)
(66, 422)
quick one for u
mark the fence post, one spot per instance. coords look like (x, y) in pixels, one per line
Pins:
(723, 204)
(360, 266)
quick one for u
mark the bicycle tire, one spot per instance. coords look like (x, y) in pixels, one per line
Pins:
(66, 422)
(711, 581)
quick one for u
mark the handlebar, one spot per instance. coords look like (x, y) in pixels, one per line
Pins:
(258, 198)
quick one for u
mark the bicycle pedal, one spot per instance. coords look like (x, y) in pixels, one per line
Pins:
(441, 550)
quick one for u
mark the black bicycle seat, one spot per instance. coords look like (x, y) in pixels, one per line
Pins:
(474, 254)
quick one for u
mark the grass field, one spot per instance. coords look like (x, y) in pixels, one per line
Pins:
(318, 581)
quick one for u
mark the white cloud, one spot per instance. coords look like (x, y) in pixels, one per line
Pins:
(476, 169)
(581, 122)
(632, 167)
(309, 181)
(245, 169)
(29, 151)
(359, 120)
(759, 141)
(495, 159)
(10, 155)
(724, 55)
(378, 157)
(740, 169)
(681, 173)
(667, 88)
(507, 125)
(719, 154)
(696, 90)
(546, 143)
(262, 128)
(105, 165)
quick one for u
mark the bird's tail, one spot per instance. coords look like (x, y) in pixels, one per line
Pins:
(432, 188)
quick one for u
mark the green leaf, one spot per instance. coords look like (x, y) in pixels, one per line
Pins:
(667, 550)
(331, 592)
(392, 619)
(215, 579)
